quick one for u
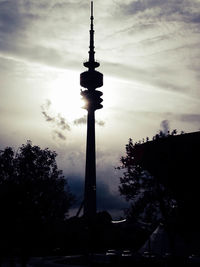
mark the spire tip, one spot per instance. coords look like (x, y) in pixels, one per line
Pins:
(91, 8)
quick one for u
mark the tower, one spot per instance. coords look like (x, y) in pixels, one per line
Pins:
(91, 79)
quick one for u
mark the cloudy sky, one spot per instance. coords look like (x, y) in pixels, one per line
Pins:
(149, 55)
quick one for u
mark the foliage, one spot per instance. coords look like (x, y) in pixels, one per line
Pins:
(150, 200)
(33, 192)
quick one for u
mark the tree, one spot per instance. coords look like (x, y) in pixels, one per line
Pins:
(33, 192)
(150, 200)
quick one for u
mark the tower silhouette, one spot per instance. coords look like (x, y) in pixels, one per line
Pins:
(91, 79)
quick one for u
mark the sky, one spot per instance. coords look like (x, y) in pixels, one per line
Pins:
(149, 55)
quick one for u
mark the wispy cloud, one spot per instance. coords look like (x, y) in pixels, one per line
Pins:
(100, 123)
(23, 33)
(59, 135)
(57, 121)
(151, 37)
(170, 10)
(165, 126)
(60, 123)
(83, 120)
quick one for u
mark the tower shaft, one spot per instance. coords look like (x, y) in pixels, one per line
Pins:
(91, 79)
(90, 168)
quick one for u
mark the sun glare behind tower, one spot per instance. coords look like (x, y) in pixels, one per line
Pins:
(91, 79)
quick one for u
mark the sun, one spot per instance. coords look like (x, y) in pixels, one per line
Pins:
(64, 95)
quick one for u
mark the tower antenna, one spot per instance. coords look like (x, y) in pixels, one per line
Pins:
(91, 51)
(91, 9)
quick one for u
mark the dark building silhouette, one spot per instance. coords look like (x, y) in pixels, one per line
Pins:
(174, 161)
(91, 79)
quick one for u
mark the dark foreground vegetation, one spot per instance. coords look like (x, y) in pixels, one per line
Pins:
(34, 204)
(34, 199)
(160, 180)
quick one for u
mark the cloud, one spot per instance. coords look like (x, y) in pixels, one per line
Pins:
(24, 31)
(191, 118)
(83, 120)
(100, 123)
(45, 107)
(148, 76)
(47, 117)
(152, 44)
(57, 121)
(105, 199)
(179, 10)
(24, 34)
(36, 53)
(165, 126)
(61, 123)
(13, 20)
(188, 118)
(59, 135)
(14, 24)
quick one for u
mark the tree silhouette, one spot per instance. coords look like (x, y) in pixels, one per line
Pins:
(34, 194)
(150, 200)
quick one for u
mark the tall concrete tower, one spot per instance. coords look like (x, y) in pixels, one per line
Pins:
(91, 79)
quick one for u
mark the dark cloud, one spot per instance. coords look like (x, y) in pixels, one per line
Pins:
(179, 10)
(140, 6)
(21, 20)
(70, 5)
(191, 118)
(17, 22)
(12, 19)
(77, 188)
(106, 200)
(14, 24)
(194, 19)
